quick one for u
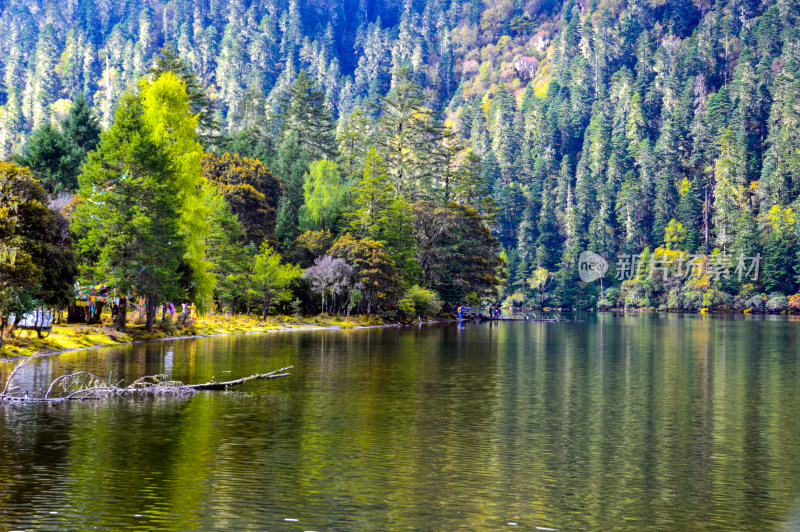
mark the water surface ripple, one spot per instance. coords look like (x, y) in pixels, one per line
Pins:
(621, 422)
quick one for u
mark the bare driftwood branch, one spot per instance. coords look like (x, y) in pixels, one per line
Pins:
(82, 386)
(258, 376)
(11, 377)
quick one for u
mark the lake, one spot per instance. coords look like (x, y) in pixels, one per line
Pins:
(617, 422)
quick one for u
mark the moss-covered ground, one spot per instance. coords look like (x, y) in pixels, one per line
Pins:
(66, 337)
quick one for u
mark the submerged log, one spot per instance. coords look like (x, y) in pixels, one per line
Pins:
(83, 386)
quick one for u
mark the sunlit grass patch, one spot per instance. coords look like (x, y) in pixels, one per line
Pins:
(76, 336)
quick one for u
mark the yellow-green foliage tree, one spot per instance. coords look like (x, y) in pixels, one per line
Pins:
(37, 260)
(251, 190)
(168, 114)
(309, 246)
(323, 192)
(381, 284)
(270, 280)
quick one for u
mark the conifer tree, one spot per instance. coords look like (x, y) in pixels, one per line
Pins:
(199, 103)
(665, 186)
(44, 79)
(689, 213)
(128, 224)
(306, 119)
(780, 174)
(371, 199)
(378, 214)
(55, 157)
(726, 191)
(354, 138)
(548, 244)
(746, 244)
(81, 131)
(457, 254)
(229, 253)
(49, 157)
(780, 249)
(167, 112)
(472, 188)
(417, 148)
(286, 223)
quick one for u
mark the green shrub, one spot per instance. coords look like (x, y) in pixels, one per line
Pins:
(604, 304)
(424, 302)
(714, 298)
(755, 303)
(167, 324)
(776, 302)
(692, 300)
(635, 294)
(674, 299)
(517, 299)
(745, 297)
(406, 306)
(586, 300)
(609, 299)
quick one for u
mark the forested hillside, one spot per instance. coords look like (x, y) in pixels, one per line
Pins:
(666, 132)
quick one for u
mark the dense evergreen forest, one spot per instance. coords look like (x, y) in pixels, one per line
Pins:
(374, 155)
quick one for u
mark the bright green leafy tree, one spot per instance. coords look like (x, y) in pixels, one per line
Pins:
(167, 112)
(323, 192)
(230, 254)
(270, 280)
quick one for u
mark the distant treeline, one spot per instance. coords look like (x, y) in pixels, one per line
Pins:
(643, 128)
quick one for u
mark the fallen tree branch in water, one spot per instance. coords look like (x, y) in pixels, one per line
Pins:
(82, 386)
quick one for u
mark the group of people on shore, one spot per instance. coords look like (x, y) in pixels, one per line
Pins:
(187, 309)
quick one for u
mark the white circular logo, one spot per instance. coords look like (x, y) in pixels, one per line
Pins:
(591, 266)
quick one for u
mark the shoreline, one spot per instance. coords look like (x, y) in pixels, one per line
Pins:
(284, 327)
(300, 328)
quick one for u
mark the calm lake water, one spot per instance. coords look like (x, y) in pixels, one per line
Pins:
(635, 422)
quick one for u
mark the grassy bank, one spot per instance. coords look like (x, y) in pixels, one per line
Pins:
(76, 336)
